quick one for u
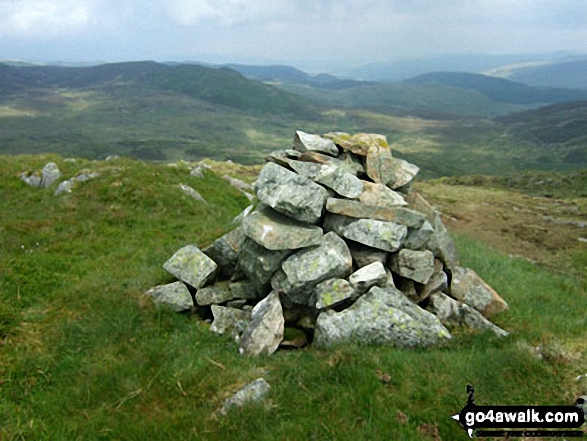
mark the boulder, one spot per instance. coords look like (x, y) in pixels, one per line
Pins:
(265, 331)
(251, 393)
(65, 187)
(379, 164)
(33, 180)
(386, 236)
(415, 265)
(214, 294)
(49, 174)
(290, 194)
(173, 295)
(380, 195)
(275, 231)
(381, 316)
(191, 266)
(229, 320)
(400, 215)
(331, 293)
(371, 275)
(469, 288)
(259, 264)
(304, 142)
(225, 251)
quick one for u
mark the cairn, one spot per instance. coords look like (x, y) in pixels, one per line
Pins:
(339, 246)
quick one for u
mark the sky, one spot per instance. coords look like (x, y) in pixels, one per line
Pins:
(297, 32)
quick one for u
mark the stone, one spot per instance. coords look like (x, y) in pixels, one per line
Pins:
(192, 193)
(351, 163)
(306, 268)
(381, 316)
(259, 264)
(191, 266)
(304, 142)
(403, 173)
(379, 165)
(331, 293)
(336, 223)
(214, 294)
(364, 255)
(173, 295)
(419, 238)
(49, 174)
(452, 313)
(65, 187)
(380, 195)
(415, 265)
(236, 303)
(33, 180)
(386, 236)
(238, 184)
(229, 320)
(275, 231)
(359, 143)
(225, 250)
(243, 289)
(400, 215)
(86, 176)
(265, 331)
(469, 288)
(408, 288)
(437, 282)
(342, 182)
(290, 194)
(251, 393)
(241, 216)
(371, 275)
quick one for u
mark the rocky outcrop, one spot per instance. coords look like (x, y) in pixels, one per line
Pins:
(340, 247)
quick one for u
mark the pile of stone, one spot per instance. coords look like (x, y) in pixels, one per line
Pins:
(50, 173)
(340, 247)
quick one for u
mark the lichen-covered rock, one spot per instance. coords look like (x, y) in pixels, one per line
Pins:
(452, 313)
(400, 215)
(371, 275)
(469, 288)
(49, 174)
(304, 142)
(214, 294)
(65, 187)
(332, 292)
(359, 143)
(290, 194)
(191, 266)
(243, 289)
(174, 295)
(336, 223)
(415, 265)
(364, 255)
(259, 264)
(437, 282)
(386, 236)
(379, 164)
(229, 320)
(383, 315)
(339, 180)
(275, 231)
(251, 393)
(403, 173)
(189, 191)
(419, 238)
(265, 331)
(225, 250)
(380, 196)
(303, 270)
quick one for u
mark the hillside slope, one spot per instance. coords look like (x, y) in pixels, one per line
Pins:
(570, 74)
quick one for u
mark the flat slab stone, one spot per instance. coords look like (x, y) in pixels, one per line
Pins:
(379, 165)
(308, 267)
(380, 195)
(469, 288)
(386, 236)
(191, 266)
(371, 275)
(265, 331)
(173, 295)
(415, 265)
(381, 316)
(291, 194)
(214, 294)
(403, 173)
(400, 215)
(332, 292)
(275, 231)
(229, 320)
(359, 143)
(304, 142)
(251, 393)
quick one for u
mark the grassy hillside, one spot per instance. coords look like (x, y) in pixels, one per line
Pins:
(570, 74)
(500, 89)
(86, 356)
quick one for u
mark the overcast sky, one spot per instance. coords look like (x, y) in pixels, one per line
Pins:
(285, 31)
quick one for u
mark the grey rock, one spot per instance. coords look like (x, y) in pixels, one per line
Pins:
(112, 157)
(359, 143)
(65, 187)
(49, 174)
(225, 251)
(403, 173)
(437, 282)
(265, 331)
(86, 176)
(371, 275)
(386, 236)
(332, 292)
(452, 313)
(229, 320)
(383, 315)
(339, 180)
(275, 231)
(400, 215)
(290, 194)
(364, 255)
(469, 288)
(243, 289)
(191, 266)
(258, 264)
(174, 295)
(308, 267)
(241, 216)
(380, 195)
(419, 238)
(192, 193)
(379, 165)
(236, 303)
(251, 393)
(408, 288)
(33, 180)
(197, 171)
(351, 163)
(214, 294)
(415, 265)
(336, 223)
(304, 142)
(238, 184)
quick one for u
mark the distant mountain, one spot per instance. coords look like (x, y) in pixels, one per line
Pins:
(571, 74)
(288, 74)
(500, 89)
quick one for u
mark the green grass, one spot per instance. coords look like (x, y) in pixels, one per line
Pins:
(85, 356)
